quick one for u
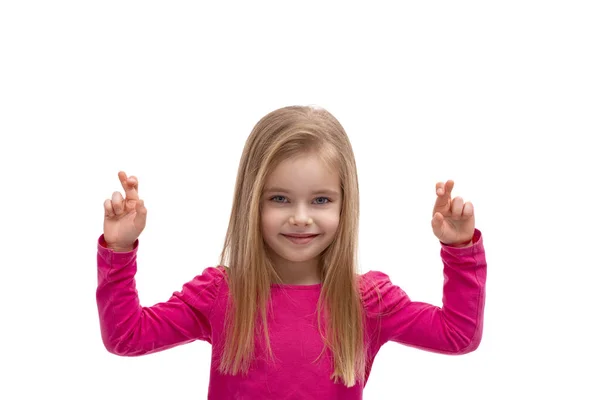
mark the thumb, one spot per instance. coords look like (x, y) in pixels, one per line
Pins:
(437, 223)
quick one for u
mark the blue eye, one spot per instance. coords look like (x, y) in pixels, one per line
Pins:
(274, 198)
(322, 202)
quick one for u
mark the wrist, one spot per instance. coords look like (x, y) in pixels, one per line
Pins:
(118, 248)
(460, 244)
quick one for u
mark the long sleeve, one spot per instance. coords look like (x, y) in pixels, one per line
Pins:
(456, 327)
(128, 329)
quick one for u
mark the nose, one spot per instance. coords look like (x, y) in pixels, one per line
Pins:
(300, 218)
(305, 221)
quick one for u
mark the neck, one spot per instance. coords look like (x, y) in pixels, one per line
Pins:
(298, 273)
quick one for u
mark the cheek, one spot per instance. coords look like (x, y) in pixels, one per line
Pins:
(270, 220)
(330, 221)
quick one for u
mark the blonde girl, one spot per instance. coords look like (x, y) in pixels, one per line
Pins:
(286, 311)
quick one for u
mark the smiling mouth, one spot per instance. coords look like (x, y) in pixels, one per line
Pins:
(301, 235)
(300, 239)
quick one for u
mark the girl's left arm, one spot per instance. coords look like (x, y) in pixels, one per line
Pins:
(454, 328)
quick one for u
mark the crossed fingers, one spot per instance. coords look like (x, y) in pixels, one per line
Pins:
(455, 208)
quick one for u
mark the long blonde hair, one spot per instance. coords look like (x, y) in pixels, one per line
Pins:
(280, 135)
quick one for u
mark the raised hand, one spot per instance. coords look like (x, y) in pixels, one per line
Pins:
(124, 219)
(453, 220)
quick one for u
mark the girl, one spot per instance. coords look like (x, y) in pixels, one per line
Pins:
(286, 312)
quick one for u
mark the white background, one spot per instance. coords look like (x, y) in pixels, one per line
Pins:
(502, 97)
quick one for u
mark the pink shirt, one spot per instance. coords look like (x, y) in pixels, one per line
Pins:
(197, 312)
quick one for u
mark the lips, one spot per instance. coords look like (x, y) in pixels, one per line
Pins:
(300, 238)
(300, 235)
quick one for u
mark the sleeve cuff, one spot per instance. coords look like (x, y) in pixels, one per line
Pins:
(111, 256)
(477, 245)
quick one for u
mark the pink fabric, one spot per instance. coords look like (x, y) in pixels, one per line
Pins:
(197, 313)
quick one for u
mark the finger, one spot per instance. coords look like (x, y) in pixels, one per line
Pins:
(141, 207)
(130, 185)
(443, 200)
(437, 224)
(439, 188)
(448, 187)
(468, 210)
(108, 209)
(140, 214)
(117, 203)
(457, 207)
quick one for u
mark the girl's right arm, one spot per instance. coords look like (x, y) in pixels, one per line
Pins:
(127, 328)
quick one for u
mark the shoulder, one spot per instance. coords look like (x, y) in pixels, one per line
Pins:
(379, 294)
(211, 279)
(372, 280)
(202, 291)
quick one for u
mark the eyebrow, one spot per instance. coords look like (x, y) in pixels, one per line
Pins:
(321, 191)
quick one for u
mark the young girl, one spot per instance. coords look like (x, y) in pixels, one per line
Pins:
(286, 312)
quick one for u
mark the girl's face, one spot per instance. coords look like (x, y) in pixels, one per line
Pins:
(301, 197)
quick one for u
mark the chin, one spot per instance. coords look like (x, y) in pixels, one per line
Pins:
(299, 259)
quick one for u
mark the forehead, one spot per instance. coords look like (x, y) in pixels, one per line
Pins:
(306, 173)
